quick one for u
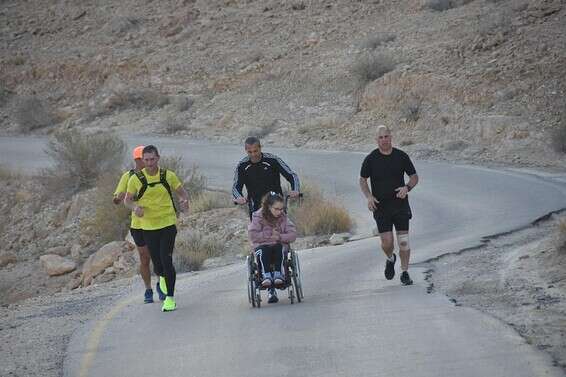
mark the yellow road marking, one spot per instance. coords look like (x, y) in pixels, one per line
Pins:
(96, 335)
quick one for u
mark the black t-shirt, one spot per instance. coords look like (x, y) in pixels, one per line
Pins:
(387, 172)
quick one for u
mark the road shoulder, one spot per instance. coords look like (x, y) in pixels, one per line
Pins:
(518, 278)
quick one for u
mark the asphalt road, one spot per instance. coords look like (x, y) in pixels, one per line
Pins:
(353, 322)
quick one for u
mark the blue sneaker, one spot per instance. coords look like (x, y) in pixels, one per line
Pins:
(148, 296)
(160, 293)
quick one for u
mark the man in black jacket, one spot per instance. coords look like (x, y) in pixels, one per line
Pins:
(260, 173)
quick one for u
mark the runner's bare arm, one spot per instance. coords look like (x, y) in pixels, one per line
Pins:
(131, 204)
(183, 198)
(372, 201)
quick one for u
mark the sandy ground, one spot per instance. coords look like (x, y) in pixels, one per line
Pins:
(518, 278)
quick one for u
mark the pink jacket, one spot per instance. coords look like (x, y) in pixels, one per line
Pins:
(260, 230)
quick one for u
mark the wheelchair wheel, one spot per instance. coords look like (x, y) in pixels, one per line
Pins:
(291, 294)
(251, 281)
(257, 295)
(297, 276)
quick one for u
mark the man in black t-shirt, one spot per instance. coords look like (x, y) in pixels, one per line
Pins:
(386, 168)
(261, 173)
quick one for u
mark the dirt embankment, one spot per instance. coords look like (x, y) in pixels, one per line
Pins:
(517, 277)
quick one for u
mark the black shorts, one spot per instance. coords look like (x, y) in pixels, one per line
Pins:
(388, 216)
(137, 235)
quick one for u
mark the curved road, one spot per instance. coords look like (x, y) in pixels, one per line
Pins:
(353, 322)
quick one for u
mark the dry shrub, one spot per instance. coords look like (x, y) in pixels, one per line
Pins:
(370, 67)
(181, 103)
(404, 94)
(318, 215)
(559, 136)
(110, 222)
(561, 235)
(193, 181)
(208, 200)
(442, 5)
(322, 124)
(5, 94)
(374, 41)
(259, 131)
(30, 113)
(120, 25)
(123, 97)
(172, 125)
(80, 159)
(410, 109)
(191, 251)
(82, 79)
(6, 174)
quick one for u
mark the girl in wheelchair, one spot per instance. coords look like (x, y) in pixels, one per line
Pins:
(270, 233)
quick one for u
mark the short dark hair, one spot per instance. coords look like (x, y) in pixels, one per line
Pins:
(151, 149)
(252, 140)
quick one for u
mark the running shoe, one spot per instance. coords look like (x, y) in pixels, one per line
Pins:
(272, 297)
(390, 268)
(169, 304)
(148, 296)
(160, 292)
(406, 279)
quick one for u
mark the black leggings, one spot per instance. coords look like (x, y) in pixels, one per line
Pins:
(161, 243)
(268, 255)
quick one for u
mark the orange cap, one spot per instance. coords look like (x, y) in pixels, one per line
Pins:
(138, 152)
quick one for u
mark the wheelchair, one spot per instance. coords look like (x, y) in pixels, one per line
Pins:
(292, 282)
(292, 269)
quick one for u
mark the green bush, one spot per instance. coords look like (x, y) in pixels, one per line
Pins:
(80, 159)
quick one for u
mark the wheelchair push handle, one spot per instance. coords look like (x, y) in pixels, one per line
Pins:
(287, 197)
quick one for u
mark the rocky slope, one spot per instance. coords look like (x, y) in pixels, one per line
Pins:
(479, 80)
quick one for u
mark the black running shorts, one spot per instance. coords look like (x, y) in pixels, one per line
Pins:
(389, 216)
(137, 235)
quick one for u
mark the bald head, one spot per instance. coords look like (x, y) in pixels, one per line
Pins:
(383, 138)
(383, 130)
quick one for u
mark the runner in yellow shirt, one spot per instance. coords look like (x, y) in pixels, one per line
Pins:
(135, 227)
(149, 196)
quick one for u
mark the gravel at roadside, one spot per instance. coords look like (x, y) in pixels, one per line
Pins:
(519, 278)
(34, 333)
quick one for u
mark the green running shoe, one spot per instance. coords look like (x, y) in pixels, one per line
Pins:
(163, 285)
(169, 304)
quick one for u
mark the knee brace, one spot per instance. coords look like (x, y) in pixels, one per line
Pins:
(403, 242)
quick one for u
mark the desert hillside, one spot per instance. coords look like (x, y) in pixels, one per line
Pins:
(480, 80)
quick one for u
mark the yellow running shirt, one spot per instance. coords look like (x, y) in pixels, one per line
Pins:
(122, 187)
(158, 211)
